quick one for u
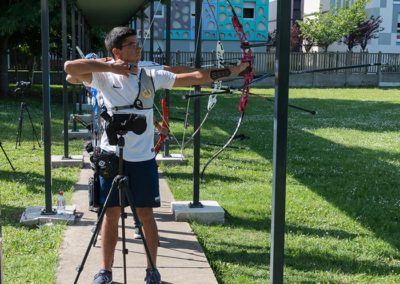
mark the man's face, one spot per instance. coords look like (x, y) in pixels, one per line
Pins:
(130, 50)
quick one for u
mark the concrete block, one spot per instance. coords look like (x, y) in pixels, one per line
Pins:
(389, 84)
(34, 216)
(211, 212)
(72, 161)
(171, 159)
(85, 107)
(78, 134)
(85, 118)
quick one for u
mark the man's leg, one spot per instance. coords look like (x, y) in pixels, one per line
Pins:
(109, 236)
(150, 232)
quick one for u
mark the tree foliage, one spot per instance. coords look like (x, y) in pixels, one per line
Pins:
(324, 28)
(365, 31)
(19, 20)
(296, 38)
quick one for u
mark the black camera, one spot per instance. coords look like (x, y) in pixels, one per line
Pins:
(120, 123)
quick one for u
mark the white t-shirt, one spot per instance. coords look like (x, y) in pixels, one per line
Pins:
(119, 90)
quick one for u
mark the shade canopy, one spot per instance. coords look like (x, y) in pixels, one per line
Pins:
(105, 13)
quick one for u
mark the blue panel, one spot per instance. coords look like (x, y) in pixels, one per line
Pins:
(209, 20)
(256, 29)
(180, 34)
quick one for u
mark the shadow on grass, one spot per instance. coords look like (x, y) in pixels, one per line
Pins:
(326, 262)
(216, 177)
(34, 182)
(264, 224)
(241, 256)
(10, 215)
(360, 182)
(321, 233)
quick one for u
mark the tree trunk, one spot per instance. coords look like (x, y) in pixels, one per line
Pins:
(3, 66)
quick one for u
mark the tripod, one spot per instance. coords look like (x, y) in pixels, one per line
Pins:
(23, 108)
(5, 154)
(120, 183)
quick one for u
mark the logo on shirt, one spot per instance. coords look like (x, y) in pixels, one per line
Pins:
(116, 87)
(146, 94)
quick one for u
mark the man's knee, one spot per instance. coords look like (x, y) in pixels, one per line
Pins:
(112, 214)
(145, 214)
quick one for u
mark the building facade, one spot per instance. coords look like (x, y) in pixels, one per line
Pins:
(216, 20)
(388, 40)
(296, 14)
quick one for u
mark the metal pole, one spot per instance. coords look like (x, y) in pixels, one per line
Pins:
(1, 256)
(73, 33)
(167, 59)
(80, 29)
(64, 82)
(151, 31)
(80, 34)
(142, 32)
(83, 34)
(46, 104)
(196, 139)
(73, 50)
(282, 61)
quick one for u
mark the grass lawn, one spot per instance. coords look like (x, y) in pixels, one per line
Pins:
(342, 220)
(30, 254)
(343, 183)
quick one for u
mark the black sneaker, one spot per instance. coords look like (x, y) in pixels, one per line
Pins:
(152, 276)
(103, 277)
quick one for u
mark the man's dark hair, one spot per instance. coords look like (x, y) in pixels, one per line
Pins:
(116, 37)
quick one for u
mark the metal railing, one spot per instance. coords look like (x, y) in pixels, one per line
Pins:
(263, 62)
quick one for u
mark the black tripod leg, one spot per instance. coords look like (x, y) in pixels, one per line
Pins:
(98, 220)
(19, 129)
(34, 134)
(122, 186)
(5, 154)
(129, 195)
(98, 225)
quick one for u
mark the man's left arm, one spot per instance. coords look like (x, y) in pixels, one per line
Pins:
(200, 77)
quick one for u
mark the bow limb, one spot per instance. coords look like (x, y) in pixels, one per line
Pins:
(164, 125)
(223, 147)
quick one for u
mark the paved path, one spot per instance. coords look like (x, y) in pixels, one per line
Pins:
(180, 257)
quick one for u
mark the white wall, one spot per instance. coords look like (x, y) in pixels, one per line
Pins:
(312, 6)
(272, 15)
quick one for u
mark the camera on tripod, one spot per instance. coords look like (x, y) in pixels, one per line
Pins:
(120, 123)
(21, 86)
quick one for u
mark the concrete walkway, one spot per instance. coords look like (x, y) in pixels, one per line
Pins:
(180, 257)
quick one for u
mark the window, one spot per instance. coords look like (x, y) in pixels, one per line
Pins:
(248, 10)
(193, 9)
(398, 30)
(158, 10)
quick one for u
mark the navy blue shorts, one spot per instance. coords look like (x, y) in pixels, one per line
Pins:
(143, 183)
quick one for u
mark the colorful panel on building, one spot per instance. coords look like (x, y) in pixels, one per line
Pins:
(216, 18)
